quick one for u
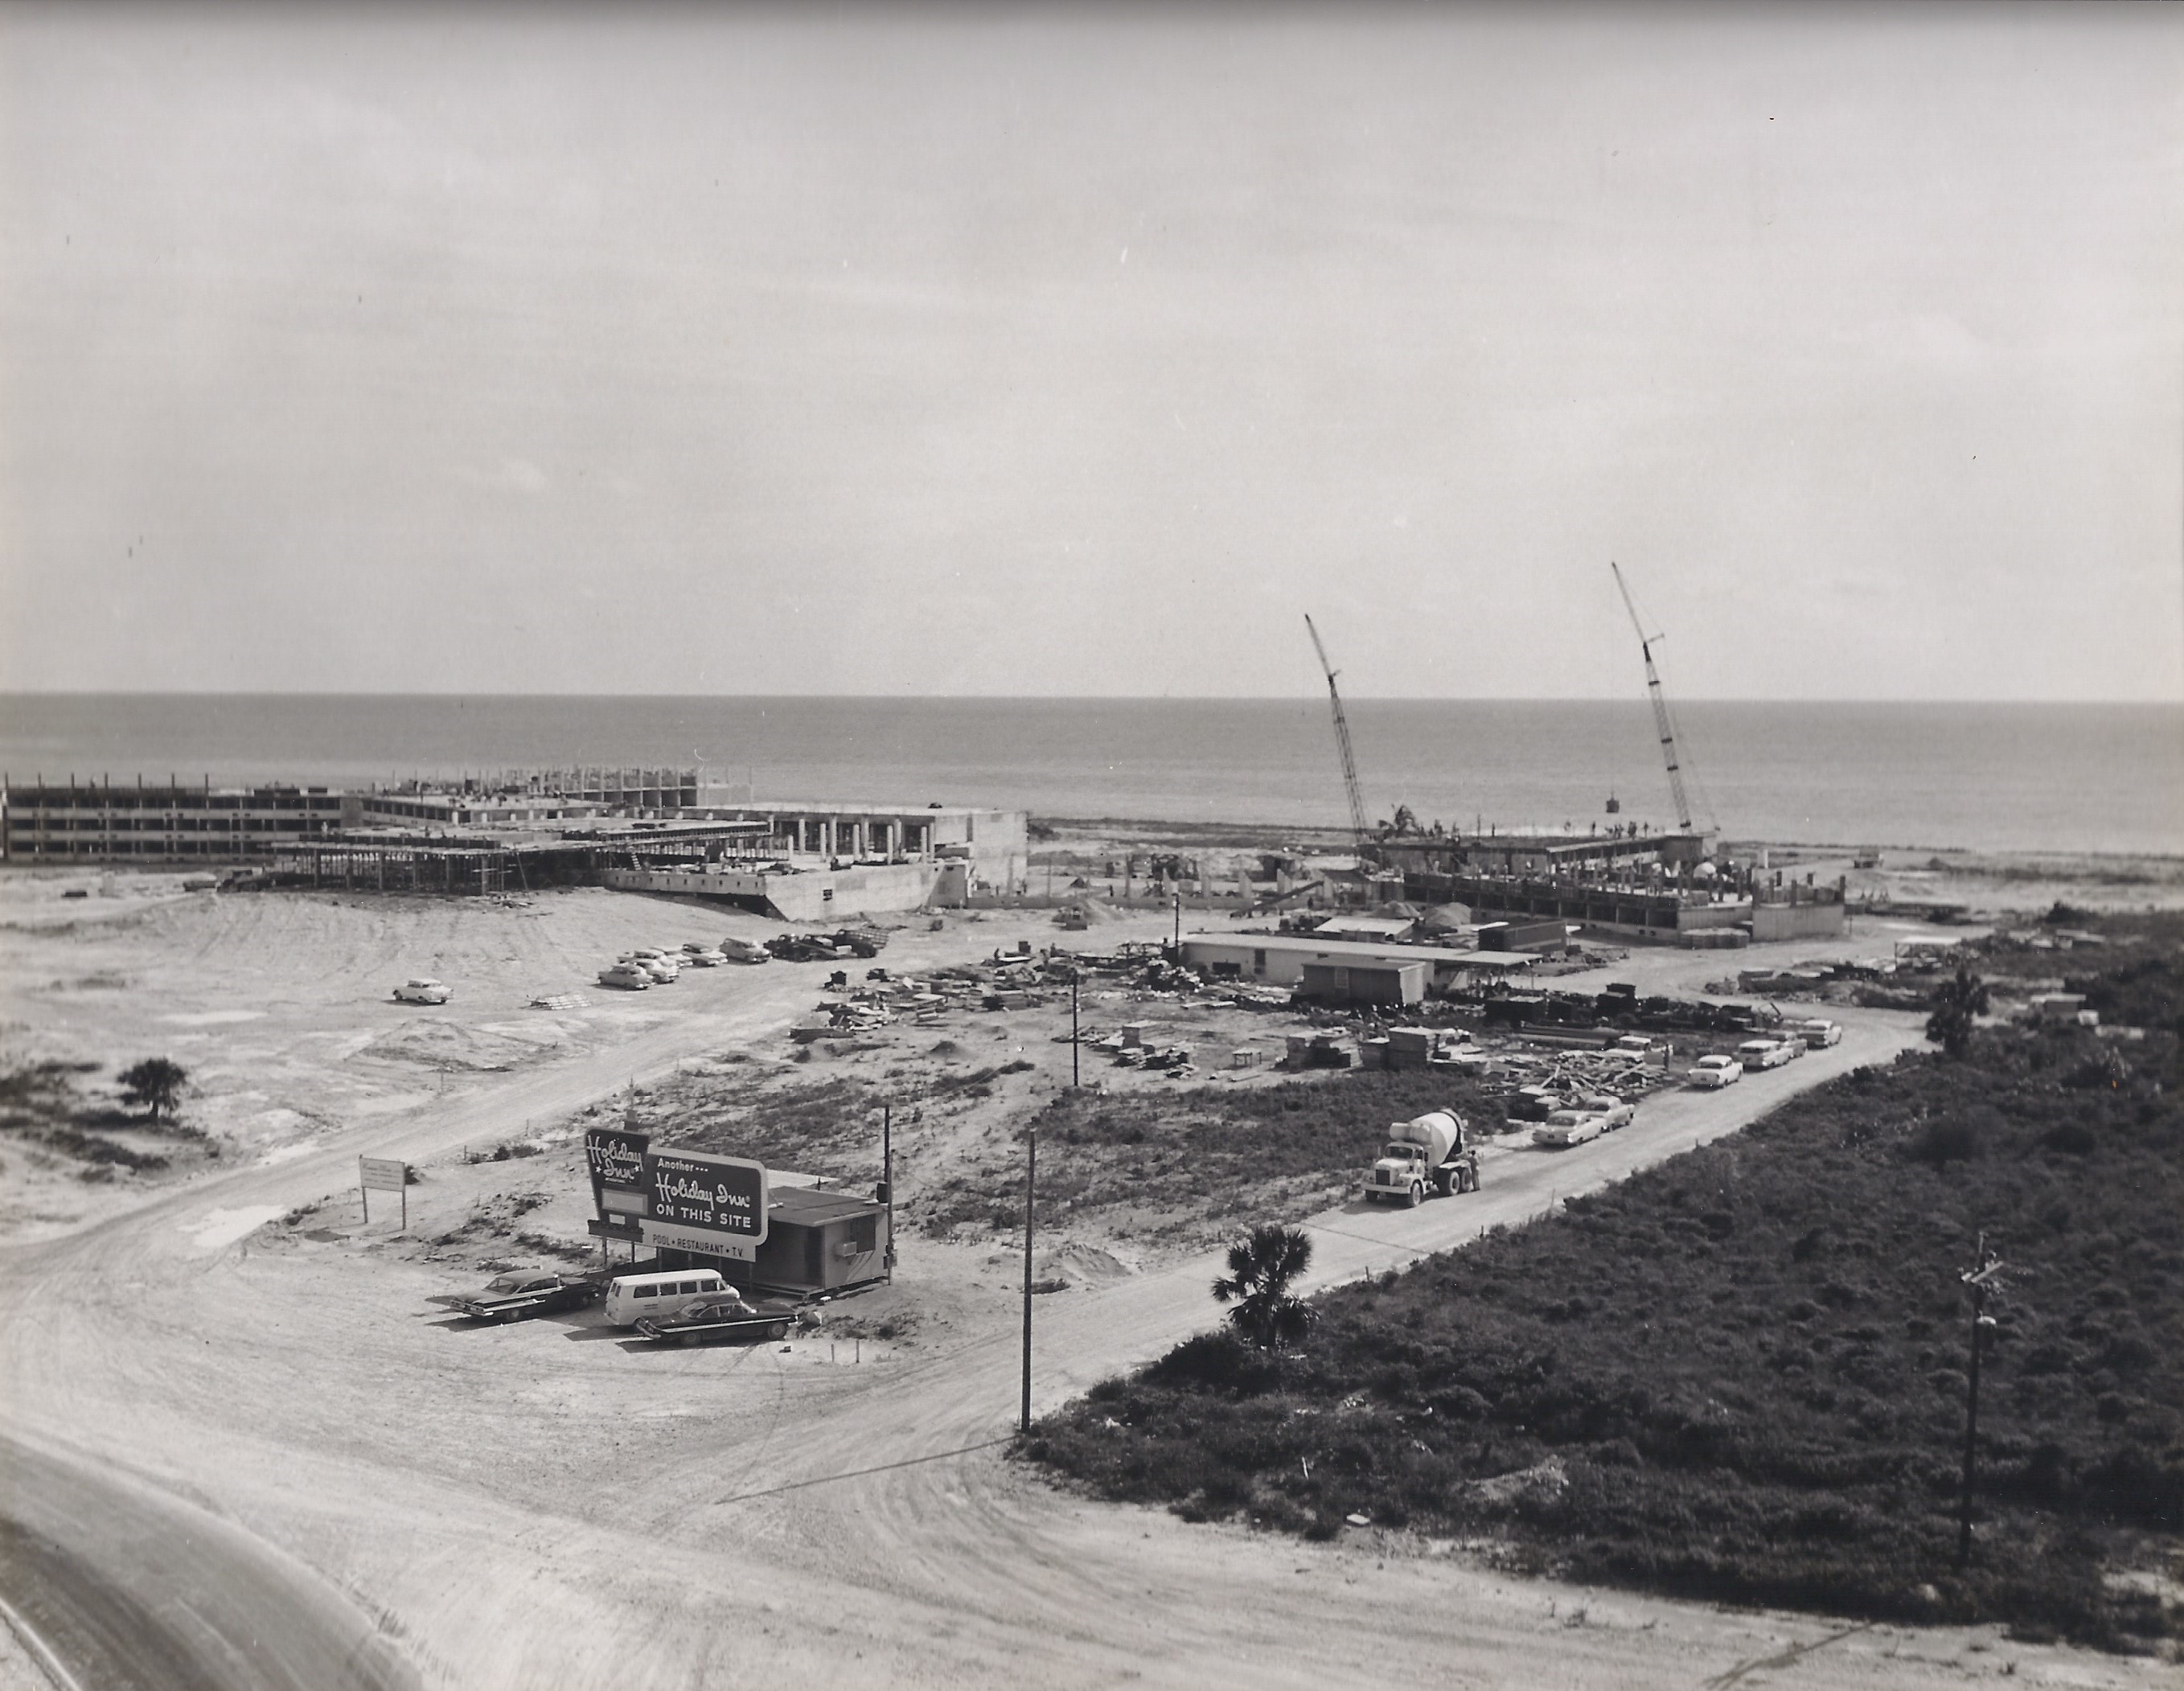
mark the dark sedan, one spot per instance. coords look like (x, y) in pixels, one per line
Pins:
(512, 1296)
(725, 1316)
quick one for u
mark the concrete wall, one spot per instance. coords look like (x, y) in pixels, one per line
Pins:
(1797, 921)
(823, 895)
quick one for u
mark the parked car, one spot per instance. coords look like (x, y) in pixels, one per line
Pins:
(422, 990)
(722, 1316)
(528, 1292)
(1567, 1127)
(657, 969)
(744, 951)
(696, 951)
(659, 1293)
(627, 975)
(1763, 1054)
(1612, 1111)
(1818, 1030)
(1710, 1073)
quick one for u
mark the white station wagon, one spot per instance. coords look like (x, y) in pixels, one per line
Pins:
(422, 990)
(1764, 1054)
(1567, 1127)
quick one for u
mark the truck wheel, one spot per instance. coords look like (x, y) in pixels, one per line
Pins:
(778, 1330)
(1416, 1193)
(1446, 1181)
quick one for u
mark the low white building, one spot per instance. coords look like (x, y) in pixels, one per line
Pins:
(1278, 960)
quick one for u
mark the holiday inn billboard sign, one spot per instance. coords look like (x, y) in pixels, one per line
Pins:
(708, 1203)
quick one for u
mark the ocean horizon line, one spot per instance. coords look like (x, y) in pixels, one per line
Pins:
(1635, 696)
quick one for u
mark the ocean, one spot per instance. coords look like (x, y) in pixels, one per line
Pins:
(1987, 777)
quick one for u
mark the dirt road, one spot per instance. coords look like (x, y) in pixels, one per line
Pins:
(552, 1504)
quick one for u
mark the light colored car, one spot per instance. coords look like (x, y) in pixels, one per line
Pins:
(1763, 1054)
(1612, 1111)
(627, 975)
(654, 964)
(1564, 1128)
(1713, 1072)
(696, 951)
(744, 951)
(422, 990)
(1819, 1032)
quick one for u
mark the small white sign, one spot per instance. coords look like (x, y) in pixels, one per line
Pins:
(699, 1239)
(382, 1174)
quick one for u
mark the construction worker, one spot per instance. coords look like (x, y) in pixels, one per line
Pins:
(1468, 1176)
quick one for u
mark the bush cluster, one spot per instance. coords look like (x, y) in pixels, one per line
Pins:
(1742, 1375)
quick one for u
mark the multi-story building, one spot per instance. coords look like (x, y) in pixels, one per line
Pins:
(48, 823)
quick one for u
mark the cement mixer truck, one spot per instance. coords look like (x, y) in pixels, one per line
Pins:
(1431, 1152)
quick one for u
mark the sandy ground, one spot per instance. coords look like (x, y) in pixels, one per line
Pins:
(549, 1504)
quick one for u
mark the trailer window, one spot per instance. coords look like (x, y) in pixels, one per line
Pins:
(863, 1233)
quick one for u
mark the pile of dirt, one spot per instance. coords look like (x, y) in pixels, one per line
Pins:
(438, 1044)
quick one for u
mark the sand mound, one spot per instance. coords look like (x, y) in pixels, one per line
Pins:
(448, 1045)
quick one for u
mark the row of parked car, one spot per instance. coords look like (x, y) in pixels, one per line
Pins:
(648, 967)
(1586, 1119)
(1791, 1042)
(681, 1306)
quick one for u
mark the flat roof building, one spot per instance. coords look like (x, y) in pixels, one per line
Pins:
(1278, 960)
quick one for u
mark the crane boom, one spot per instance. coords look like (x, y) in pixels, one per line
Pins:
(1662, 722)
(1342, 742)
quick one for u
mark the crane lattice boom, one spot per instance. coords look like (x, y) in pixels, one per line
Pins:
(1662, 722)
(1342, 740)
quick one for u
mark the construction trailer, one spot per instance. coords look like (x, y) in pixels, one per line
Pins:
(1342, 983)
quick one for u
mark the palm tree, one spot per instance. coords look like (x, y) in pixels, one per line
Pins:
(1261, 1267)
(1955, 1004)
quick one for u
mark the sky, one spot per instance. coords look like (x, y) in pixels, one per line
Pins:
(1052, 352)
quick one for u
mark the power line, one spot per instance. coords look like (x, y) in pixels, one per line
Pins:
(859, 1473)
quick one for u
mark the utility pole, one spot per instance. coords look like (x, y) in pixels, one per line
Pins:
(1981, 1277)
(1074, 1046)
(1179, 924)
(887, 1179)
(1031, 1187)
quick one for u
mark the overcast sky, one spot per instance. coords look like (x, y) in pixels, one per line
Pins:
(905, 350)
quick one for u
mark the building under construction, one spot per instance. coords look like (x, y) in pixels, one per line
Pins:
(643, 830)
